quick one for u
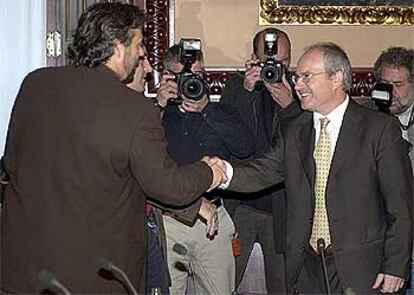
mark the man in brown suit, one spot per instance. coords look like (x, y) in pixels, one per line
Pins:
(83, 152)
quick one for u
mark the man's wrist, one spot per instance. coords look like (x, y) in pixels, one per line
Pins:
(229, 174)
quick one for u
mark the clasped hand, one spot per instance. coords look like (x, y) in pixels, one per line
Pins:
(218, 166)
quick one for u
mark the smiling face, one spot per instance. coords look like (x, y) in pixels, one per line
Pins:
(403, 88)
(321, 92)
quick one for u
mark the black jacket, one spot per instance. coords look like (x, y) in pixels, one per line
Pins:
(254, 109)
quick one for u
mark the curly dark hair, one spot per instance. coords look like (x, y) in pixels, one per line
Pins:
(99, 27)
(395, 57)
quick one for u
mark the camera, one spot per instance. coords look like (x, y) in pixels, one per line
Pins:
(272, 71)
(382, 96)
(190, 84)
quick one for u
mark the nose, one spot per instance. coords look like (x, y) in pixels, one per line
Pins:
(394, 92)
(299, 84)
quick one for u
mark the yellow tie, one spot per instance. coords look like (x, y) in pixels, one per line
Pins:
(322, 156)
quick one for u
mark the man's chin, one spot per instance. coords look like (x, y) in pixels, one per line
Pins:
(396, 110)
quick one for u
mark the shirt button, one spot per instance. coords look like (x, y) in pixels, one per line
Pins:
(186, 133)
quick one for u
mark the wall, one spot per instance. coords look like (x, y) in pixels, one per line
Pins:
(227, 27)
(22, 47)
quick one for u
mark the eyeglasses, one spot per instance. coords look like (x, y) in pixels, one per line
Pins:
(306, 77)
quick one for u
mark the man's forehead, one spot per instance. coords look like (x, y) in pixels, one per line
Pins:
(395, 70)
(310, 60)
(282, 41)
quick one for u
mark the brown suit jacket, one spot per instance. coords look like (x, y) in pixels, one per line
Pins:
(369, 195)
(83, 153)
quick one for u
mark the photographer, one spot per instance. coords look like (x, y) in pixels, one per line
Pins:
(395, 66)
(260, 217)
(195, 128)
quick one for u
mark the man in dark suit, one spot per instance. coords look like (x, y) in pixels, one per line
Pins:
(260, 217)
(83, 151)
(348, 181)
(396, 66)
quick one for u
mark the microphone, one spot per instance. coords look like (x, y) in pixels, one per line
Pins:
(50, 279)
(182, 250)
(106, 264)
(321, 251)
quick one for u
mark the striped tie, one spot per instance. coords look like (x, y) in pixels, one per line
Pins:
(322, 156)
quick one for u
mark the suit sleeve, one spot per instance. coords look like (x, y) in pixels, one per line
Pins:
(396, 185)
(260, 173)
(157, 174)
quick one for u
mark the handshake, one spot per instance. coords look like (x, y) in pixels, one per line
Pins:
(218, 166)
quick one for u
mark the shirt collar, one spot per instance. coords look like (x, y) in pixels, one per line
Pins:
(405, 117)
(335, 116)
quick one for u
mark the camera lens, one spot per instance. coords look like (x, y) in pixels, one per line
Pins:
(269, 74)
(193, 87)
(272, 72)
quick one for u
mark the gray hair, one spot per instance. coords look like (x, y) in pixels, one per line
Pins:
(334, 59)
(395, 57)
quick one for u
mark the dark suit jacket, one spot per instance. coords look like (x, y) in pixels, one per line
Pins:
(83, 152)
(369, 195)
(251, 107)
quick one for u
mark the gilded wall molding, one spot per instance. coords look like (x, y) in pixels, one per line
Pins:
(160, 22)
(272, 13)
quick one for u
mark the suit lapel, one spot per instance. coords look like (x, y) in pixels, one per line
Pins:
(350, 129)
(305, 137)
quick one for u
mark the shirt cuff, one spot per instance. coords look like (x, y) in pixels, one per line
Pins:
(229, 174)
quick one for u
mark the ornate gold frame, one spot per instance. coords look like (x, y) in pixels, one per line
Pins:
(272, 13)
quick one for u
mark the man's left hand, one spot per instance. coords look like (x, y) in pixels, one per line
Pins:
(209, 213)
(281, 92)
(388, 283)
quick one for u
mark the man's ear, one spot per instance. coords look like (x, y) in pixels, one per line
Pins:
(338, 79)
(119, 50)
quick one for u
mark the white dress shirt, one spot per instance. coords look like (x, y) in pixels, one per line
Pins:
(405, 119)
(335, 117)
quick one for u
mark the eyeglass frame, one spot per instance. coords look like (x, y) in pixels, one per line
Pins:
(306, 77)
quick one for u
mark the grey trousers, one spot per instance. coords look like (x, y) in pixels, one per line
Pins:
(254, 226)
(211, 262)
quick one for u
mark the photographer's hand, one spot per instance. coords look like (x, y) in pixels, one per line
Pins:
(281, 92)
(192, 106)
(168, 90)
(252, 74)
(209, 213)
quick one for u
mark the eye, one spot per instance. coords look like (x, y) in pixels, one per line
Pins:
(307, 76)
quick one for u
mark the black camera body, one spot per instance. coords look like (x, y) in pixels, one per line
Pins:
(190, 85)
(272, 71)
(382, 96)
